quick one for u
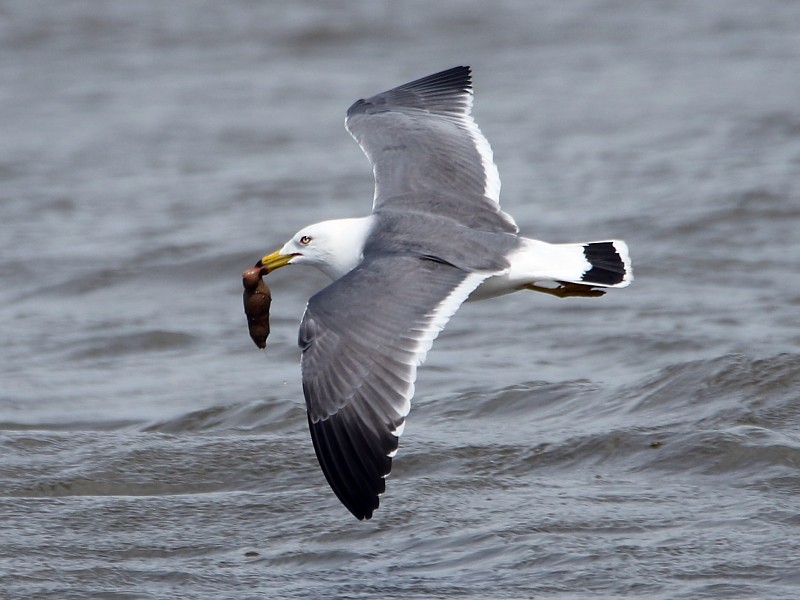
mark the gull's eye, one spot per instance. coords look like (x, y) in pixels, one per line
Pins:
(305, 240)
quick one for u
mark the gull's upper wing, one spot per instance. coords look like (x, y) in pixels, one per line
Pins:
(427, 152)
(362, 339)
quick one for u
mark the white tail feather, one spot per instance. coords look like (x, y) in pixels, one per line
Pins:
(599, 264)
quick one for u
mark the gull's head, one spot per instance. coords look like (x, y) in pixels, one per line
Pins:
(334, 247)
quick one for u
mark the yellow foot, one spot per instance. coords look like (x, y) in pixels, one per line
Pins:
(567, 290)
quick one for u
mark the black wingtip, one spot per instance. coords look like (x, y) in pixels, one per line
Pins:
(456, 79)
(443, 92)
(353, 464)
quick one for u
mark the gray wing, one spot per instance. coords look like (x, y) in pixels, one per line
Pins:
(427, 152)
(362, 339)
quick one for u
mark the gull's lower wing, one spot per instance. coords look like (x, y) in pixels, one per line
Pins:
(362, 339)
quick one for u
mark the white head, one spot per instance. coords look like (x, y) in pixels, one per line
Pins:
(334, 247)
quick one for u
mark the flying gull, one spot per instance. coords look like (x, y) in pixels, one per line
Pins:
(436, 237)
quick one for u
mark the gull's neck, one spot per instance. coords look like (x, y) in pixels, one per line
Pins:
(347, 245)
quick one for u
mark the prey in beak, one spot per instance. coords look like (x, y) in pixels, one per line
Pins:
(257, 296)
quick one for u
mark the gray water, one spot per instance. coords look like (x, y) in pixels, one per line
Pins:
(644, 444)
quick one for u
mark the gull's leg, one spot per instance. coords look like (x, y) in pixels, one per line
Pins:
(567, 290)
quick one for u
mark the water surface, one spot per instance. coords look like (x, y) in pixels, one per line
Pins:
(644, 444)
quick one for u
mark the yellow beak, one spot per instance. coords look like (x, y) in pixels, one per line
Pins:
(276, 260)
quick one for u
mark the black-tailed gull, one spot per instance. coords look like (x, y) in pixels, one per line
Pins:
(436, 237)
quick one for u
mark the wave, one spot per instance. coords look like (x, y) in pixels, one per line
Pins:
(727, 414)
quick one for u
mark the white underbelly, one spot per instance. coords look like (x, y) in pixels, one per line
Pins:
(536, 262)
(498, 285)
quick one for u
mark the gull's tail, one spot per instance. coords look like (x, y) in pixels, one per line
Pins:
(610, 264)
(563, 270)
(601, 264)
